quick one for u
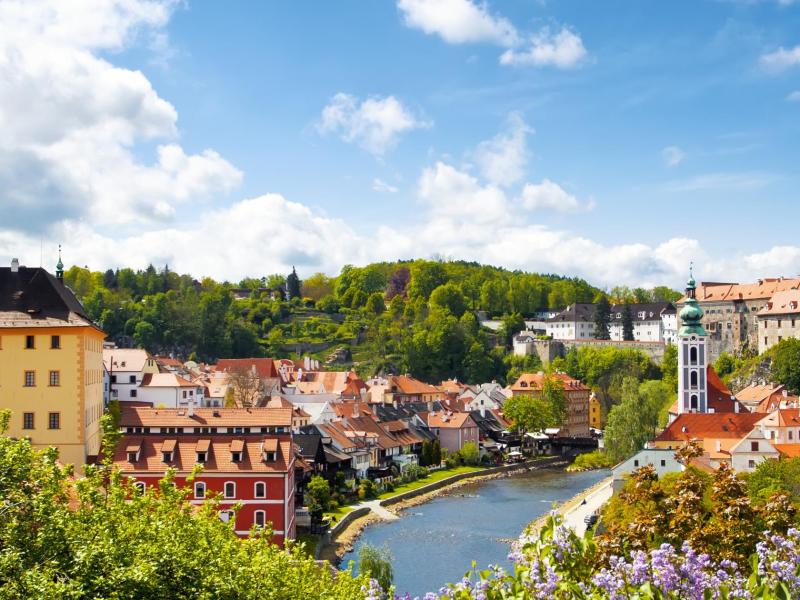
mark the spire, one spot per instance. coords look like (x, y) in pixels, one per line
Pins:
(59, 266)
(691, 314)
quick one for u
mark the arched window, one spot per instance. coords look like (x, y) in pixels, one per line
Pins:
(139, 486)
(199, 489)
(260, 518)
(260, 490)
(693, 402)
(693, 355)
(693, 379)
(230, 489)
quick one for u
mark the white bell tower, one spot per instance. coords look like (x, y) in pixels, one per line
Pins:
(692, 356)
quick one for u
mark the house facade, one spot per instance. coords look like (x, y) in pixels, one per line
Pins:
(247, 458)
(51, 364)
(454, 429)
(127, 368)
(576, 395)
(779, 319)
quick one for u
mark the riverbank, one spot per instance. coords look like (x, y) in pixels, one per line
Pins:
(341, 538)
(574, 510)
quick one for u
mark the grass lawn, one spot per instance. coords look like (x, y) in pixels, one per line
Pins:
(432, 478)
(338, 512)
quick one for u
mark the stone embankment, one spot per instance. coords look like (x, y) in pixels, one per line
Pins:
(579, 506)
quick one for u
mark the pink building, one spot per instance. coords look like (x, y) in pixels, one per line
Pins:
(454, 429)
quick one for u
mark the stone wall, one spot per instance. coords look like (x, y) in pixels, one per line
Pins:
(547, 350)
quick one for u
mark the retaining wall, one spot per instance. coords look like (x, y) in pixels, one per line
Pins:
(340, 526)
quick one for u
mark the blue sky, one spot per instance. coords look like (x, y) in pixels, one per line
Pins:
(611, 140)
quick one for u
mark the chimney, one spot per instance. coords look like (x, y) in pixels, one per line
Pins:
(483, 412)
(430, 405)
(736, 407)
(15, 265)
(355, 410)
(719, 445)
(190, 412)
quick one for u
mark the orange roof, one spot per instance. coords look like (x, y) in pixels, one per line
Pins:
(783, 417)
(169, 445)
(408, 385)
(782, 303)
(270, 445)
(788, 450)
(237, 445)
(763, 289)
(692, 426)
(450, 420)
(753, 393)
(125, 359)
(533, 381)
(264, 367)
(146, 416)
(219, 458)
(166, 380)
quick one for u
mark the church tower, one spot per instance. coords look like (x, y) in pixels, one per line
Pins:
(692, 355)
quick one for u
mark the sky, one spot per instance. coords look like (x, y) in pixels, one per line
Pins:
(611, 140)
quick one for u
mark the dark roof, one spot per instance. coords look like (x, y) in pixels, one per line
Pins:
(309, 444)
(37, 293)
(585, 312)
(575, 312)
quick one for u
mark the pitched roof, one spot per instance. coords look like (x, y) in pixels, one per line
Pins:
(264, 367)
(786, 302)
(720, 398)
(218, 458)
(788, 450)
(755, 393)
(32, 297)
(125, 359)
(533, 381)
(406, 384)
(166, 380)
(783, 417)
(642, 311)
(450, 420)
(143, 416)
(581, 311)
(708, 291)
(692, 426)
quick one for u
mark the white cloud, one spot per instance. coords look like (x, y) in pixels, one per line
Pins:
(375, 123)
(781, 59)
(794, 96)
(563, 50)
(458, 21)
(460, 197)
(379, 185)
(70, 121)
(502, 159)
(548, 195)
(673, 156)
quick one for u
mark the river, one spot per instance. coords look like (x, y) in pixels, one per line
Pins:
(434, 543)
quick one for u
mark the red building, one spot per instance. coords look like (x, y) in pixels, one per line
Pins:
(247, 457)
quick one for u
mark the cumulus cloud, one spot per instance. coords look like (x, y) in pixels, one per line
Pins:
(673, 156)
(781, 59)
(502, 159)
(548, 195)
(563, 50)
(379, 185)
(375, 123)
(459, 197)
(70, 120)
(458, 21)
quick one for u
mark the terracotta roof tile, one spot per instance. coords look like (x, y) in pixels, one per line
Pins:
(691, 426)
(146, 416)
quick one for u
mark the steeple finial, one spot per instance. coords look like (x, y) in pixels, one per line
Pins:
(59, 266)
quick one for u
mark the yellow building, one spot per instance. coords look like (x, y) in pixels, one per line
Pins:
(595, 413)
(51, 364)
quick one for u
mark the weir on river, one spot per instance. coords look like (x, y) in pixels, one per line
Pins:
(435, 543)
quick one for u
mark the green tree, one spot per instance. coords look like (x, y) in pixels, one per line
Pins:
(470, 454)
(293, 284)
(144, 334)
(669, 366)
(553, 394)
(450, 298)
(426, 276)
(629, 424)
(375, 303)
(318, 494)
(436, 453)
(786, 363)
(627, 323)
(725, 364)
(529, 413)
(511, 325)
(602, 319)
(376, 563)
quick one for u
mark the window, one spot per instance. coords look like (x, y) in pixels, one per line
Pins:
(139, 486)
(201, 457)
(166, 457)
(54, 420)
(27, 420)
(270, 456)
(791, 434)
(236, 457)
(230, 489)
(133, 393)
(131, 457)
(693, 379)
(30, 378)
(260, 490)
(260, 518)
(753, 446)
(693, 402)
(184, 393)
(113, 379)
(635, 463)
(29, 342)
(55, 342)
(663, 463)
(751, 464)
(55, 378)
(199, 489)
(766, 343)
(132, 379)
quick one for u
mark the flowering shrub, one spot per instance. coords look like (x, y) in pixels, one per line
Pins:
(558, 564)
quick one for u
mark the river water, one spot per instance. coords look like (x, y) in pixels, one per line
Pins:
(434, 543)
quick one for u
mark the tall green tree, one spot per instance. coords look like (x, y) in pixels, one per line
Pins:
(627, 323)
(602, 318)
(529, 413)
(786, 363)
(293, 284)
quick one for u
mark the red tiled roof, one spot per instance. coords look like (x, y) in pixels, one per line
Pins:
(409, 385)
(218, 457)
(146, 416)
(169, 445)
(265, 367)
(691, 426)
(166, 380)
(533, 381)
(788, 450)
(450, 420)
(766, 288)
(237, 445)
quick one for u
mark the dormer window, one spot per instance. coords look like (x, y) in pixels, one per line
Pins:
(269, 456)
(236, 457)
(166, 457)
(202, 457)
(133, 451)
(132, 457)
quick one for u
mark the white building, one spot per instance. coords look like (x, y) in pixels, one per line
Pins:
(692, 356)
(126, 368)
(169, 390)
(576, 322)
(652, 322)
(661, 459)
